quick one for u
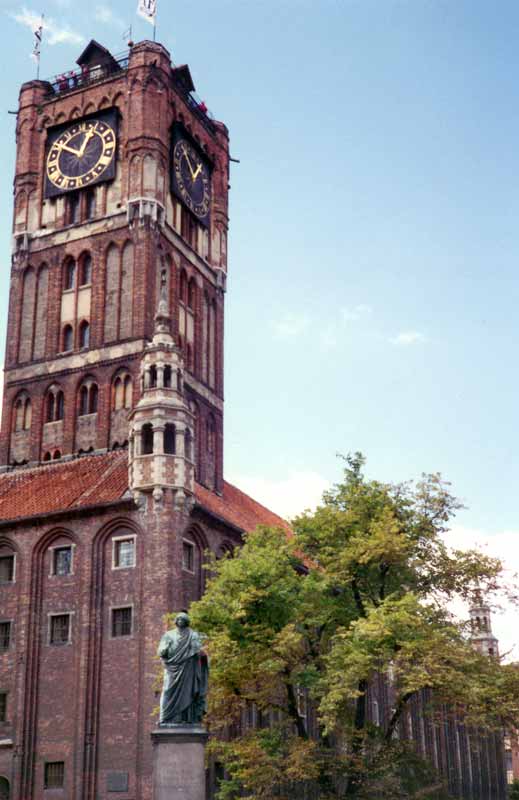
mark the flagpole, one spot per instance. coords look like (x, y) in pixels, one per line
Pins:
(39, 50)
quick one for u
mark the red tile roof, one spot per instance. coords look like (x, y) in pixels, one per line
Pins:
(98, 479)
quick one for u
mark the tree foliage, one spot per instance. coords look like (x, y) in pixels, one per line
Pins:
(299, 627)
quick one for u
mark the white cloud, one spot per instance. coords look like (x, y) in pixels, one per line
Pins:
(289, 326)
(406, 338)
(357, 312)
(105, 15)
(288, 496)
(54, 32)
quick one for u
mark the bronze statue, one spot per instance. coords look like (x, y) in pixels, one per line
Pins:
(186, 672)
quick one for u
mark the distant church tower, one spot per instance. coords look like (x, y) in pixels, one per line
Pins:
(481, 628)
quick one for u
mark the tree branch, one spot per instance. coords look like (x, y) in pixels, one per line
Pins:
(397, 713)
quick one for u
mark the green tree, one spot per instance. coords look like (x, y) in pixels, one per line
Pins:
(361, 590)
(513, 793)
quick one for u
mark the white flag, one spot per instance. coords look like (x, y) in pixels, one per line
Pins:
(38, 34)
(148, 10)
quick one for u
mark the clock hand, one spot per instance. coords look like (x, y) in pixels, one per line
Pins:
(195, 175)
(188, 162)
(87, 138)
(68, 149)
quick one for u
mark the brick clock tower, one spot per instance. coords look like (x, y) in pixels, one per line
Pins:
(111, 477)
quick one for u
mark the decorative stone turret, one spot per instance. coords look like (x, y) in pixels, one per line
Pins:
(481, 623)
(161, 451)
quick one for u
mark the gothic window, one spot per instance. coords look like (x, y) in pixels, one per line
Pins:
(27, 317)
(57, 455)
(84, 334)
(40, 317)
(188, 556)
(128, 392)
(22, 413)
(207, 340)
(189, 228)
(147, 439)
(68, 338)
(212, 344)
(119, 292)
(70, 274)
(211, 436)
(85, 269)
(169, 439)
(126, 303)
(55, 404)
(88, 394)
(47, 456)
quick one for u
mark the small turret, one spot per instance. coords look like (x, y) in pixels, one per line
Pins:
(161, 425)
(481, 623)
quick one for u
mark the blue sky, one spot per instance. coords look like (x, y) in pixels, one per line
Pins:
(374, 241)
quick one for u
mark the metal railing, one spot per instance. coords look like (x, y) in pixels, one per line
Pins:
(86, 76)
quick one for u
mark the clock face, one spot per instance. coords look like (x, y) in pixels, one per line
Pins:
(80, 155)
(192, 180)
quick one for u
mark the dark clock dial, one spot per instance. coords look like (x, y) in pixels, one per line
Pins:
(192, 178)
(81, 154)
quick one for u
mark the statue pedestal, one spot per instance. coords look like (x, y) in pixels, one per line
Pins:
(178, 762)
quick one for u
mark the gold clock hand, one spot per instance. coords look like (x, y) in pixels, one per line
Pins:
(86, 140)
(68, 149)
(188, 162)
(196, 173)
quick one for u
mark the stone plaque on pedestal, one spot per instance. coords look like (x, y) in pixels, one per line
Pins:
(179, 762)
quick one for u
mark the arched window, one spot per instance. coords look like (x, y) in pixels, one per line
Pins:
(147, 439)
(167, 377)
(169, 439)
(25, 345)
(56, 455)
(50, 407)
(68, 338)
(92, 405)
(84, 334)
(118, 394)
(122, 391)
(85, 269)
(18, 414)
(46, 457)
(127, 392)
(83, 401)
(54, 406)
(60, 405)
(211, 436)
(88, 398)
(90, 204)
(27, 414)
(69, 278)
(153, 376)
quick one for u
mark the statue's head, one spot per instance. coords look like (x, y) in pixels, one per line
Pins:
(182, 620)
